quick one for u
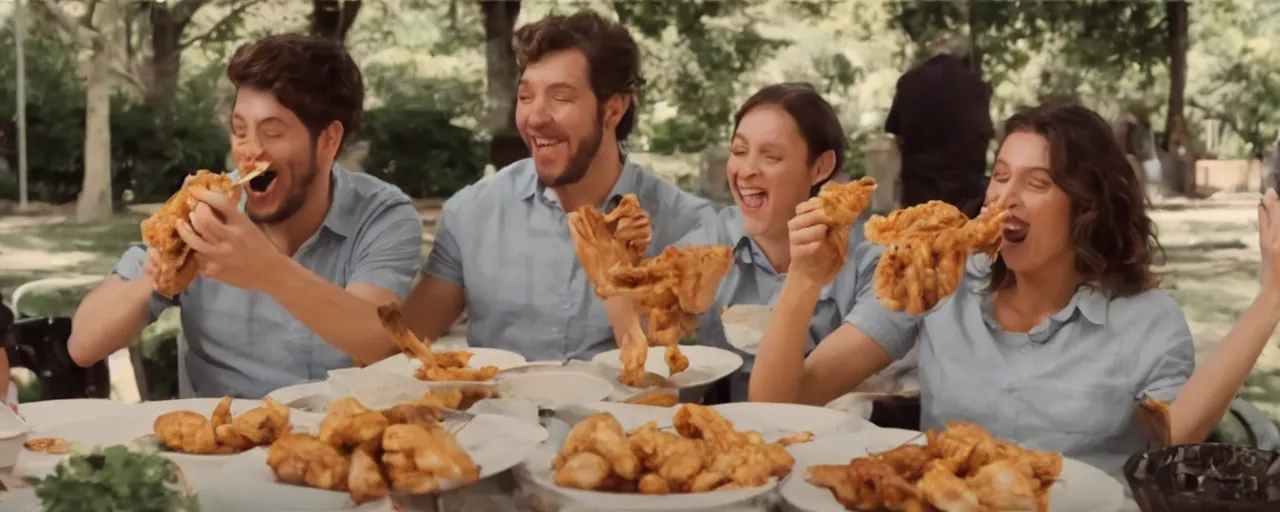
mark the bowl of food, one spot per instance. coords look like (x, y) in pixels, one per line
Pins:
(1218, 477)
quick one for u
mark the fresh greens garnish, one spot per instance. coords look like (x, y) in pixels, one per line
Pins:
(114, 479)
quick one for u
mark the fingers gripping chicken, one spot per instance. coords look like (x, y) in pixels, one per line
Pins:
(175, 268)
(842, 203)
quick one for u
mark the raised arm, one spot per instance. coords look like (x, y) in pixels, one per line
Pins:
(439, 298)
(1207, 394)
(112, 315)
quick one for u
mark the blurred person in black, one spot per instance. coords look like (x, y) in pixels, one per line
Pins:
(941, 121)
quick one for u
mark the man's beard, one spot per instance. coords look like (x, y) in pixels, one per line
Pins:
(581, 162)
(294, 198)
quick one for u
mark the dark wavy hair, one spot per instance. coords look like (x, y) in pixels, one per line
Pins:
(1113, 238)
(819, 124)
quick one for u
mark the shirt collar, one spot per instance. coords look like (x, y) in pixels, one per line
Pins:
(342, 217)
(628, 183)
(1089, 301)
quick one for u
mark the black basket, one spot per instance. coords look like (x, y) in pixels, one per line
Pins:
(1205, 477)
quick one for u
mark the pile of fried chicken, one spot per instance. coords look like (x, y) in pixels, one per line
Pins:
(704, 454)
(926, 247)
(436, 366)
(175, 268)
(673, 288)
(369, 453)
(962, 469)
(221, 433)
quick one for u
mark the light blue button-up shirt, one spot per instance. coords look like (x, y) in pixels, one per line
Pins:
(850, 297)
(505, 239)
(1069, 385)
(242, 343)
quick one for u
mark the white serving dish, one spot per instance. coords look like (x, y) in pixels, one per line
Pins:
(13, 433)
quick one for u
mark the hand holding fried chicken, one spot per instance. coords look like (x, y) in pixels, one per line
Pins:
(819, 233)
(170, 259)
(926, 248)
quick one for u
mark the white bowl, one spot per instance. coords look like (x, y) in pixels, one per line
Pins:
(13, 433)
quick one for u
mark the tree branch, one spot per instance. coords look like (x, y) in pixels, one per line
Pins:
(222, 24)
(89, 10)
(81, 33)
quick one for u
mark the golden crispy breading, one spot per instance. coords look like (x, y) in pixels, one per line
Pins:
(255, 427)
(926, 248)
(186, 432)
(441, 367)
(364, 480)
(841, 205)
(49, 445)
(962, 468)
(424, 460)
(301, 459)
(704, 454)
(222, 433)
(174, 268)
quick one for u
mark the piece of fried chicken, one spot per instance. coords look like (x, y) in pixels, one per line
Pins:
(842, 203)
(422, 460)
(442, 367)
(673, 288)
(926, 250)
(174, 268)
(301, 459)
(255, 427)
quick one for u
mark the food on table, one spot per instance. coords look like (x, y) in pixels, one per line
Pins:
(456, 398)
(1155, 417)
(674, 288)
(960, 469)
(49, 445)
(368, 453)
(115, 478)
(704, 454)
(926, 247)
(220, 434)
(842, 203)
(598, 253)
(175, 268)
(655, 398)
(436, 366)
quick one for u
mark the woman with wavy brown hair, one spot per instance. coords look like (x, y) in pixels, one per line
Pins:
(1052, 344)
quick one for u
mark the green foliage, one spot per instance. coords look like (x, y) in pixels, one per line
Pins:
(152, 149)
(114, 479)
(415, 138)
(717, 42)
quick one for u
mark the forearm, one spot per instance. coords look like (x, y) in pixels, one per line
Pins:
(338, 316)
(778, 375)
(434, 306)
(622, 316)
(1207, 395)
(109, 319)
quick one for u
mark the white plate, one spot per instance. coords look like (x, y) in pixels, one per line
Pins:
(552, 389)
(537, 469)
(1082, 488)
(290, 393)
(49, 413)
(777, 420)
(706, 364)
(481, 357)
(496, 443)
(127, 428)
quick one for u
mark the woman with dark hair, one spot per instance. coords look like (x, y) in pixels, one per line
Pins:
(787, 142)
(1051, 344)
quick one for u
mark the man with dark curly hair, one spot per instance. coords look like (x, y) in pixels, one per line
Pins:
(503, 250)
(291, 273)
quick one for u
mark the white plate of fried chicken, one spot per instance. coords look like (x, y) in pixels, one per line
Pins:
(962, 468)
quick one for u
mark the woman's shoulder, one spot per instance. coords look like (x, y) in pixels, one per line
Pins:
(1152, 303)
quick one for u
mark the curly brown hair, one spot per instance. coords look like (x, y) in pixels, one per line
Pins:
(1113, 239)
(613, 59)
(313, 77)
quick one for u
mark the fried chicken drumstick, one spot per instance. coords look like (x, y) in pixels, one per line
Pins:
(436, 366)
(926, 247)
(842, 203)
(599, 251)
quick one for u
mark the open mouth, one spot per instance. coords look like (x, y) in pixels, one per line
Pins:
(1015, 231)
(260, 182)
(752, 198)
(543, 143)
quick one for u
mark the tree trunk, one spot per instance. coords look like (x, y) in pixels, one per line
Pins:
(975, 53)
(501, 74)
(94, 202)
(166, 53)
(333, 18)
(1175, 126)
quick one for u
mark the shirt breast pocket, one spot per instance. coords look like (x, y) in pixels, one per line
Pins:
(1073, 418)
